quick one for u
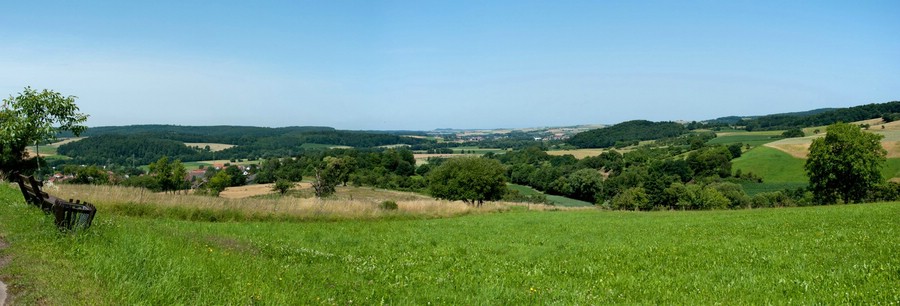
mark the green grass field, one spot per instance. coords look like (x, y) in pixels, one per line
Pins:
(772, 165)
(555, 199)
(752, 138)
(843, 254)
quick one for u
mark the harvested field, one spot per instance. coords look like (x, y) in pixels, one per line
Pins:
(799, 147)
(247, 191)
(579, 153)
(214, 147)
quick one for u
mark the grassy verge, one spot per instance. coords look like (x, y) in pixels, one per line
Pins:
(814, 255)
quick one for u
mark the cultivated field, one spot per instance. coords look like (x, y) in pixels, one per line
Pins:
(579, 153)
(214, 147)
(844, 254)
(247, 191)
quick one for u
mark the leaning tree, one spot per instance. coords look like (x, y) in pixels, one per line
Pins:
(33, 117)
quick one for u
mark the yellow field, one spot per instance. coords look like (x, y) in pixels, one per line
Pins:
(65, 141)
(337, 208)
(214, 147)
(799, 147)
(255, 190)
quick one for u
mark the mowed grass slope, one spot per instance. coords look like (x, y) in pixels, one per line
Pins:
(774, 166)
(744, 137)
(828, 255)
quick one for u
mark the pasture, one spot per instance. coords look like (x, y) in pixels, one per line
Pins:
(815, 255)
(752, 138)
(773, 165)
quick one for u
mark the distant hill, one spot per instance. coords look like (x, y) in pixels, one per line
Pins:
(146, 143)
(237, 135)
(626, 133)
(820, 117)
(737, 119)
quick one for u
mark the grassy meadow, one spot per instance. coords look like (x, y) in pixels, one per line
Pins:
(815, 255)
(752, 138)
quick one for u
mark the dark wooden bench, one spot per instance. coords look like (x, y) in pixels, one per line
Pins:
(69, 215)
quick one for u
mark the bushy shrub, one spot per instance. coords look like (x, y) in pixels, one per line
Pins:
(634, 198)
(737, 198)
(388, 205)
(771, 199)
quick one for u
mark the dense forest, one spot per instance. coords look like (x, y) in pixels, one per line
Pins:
(126, 150)
(626, 133)
(145, 146)
(830, 116)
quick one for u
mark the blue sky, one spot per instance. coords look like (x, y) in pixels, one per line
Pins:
(439, 64)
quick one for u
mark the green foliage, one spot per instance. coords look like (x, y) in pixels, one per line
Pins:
(236, 175)
(845, 164)
(793, 133)
(282, 186)
(388, 205)
(285, 168)
(634, 198)
(34, 117)
(831, 116)
(142, 181)
(470, 179)
(626, 132)
(736, 150)
(91, 175)
(735, 194)
(324, 183)
(711, 161)
(341, 167)
(170, 176)
(127, 150)
(702, 197)
(218, 183)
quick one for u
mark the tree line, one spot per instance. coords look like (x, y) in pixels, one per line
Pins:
(142, 149)
(887, 110)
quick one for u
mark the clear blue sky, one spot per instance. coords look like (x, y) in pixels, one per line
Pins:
(461, 64)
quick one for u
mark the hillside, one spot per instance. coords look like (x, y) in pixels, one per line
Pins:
(815, 118)
(629, 132)
(145, 144)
